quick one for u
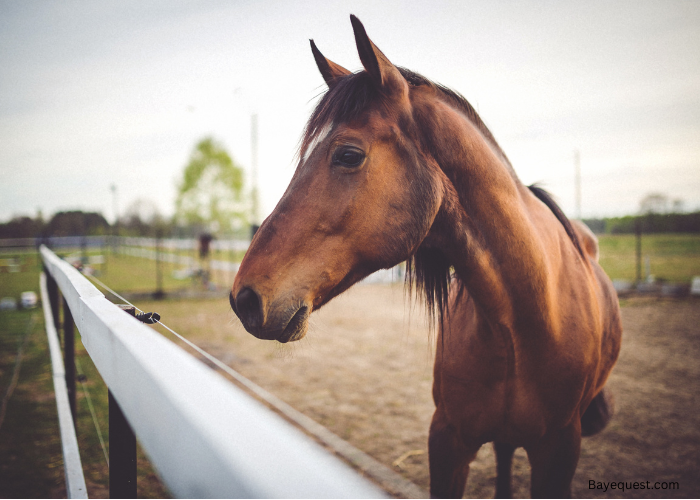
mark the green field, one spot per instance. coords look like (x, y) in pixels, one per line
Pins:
(31, 460)
(122, 273)
(672, 257)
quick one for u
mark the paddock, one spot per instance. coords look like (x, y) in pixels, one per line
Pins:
(365, 372)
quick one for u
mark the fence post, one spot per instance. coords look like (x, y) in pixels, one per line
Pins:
(159, 294)
(52, 289)
(122, 453)
(122, 448)
(69, 357)
(638, 248)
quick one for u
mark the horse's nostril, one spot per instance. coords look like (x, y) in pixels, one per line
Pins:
(247, 307)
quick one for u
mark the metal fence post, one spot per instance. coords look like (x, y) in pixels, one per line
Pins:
(69, 356)
(122, 448)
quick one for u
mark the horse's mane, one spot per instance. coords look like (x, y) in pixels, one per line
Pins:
(428, 268)
(352, 94)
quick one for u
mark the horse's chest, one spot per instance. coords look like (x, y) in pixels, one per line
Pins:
(489, 395)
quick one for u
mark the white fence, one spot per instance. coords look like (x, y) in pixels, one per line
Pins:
(204, 436)
(146, 248)
(75, 481)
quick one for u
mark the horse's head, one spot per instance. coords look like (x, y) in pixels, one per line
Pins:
(363, 198)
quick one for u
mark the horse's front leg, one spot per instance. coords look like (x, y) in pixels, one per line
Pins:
(553, 462)
(504, 460)
(449, 459)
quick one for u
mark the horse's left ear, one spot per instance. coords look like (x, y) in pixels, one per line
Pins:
(330, 71)
(382, 71)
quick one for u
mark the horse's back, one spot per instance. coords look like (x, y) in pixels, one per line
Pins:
(588, 240)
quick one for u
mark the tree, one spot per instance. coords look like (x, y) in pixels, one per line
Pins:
(77, 223)
(141, 218)
(654, 203)
(21, 227)
(211, 191)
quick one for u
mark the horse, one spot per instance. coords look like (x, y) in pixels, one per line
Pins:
(396, 168)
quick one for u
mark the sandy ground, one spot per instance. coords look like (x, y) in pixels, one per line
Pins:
(365, 372)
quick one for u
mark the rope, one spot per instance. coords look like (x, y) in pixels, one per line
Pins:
(82, 378)
(15, 373)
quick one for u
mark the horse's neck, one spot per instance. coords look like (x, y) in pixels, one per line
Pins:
(488, 229)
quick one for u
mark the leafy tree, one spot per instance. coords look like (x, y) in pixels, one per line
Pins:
(21, 227)
(77, 223)
(142, 218)
(211, 194)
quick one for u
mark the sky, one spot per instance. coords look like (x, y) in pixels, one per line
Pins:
(101, 94)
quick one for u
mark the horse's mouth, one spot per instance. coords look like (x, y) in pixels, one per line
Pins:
(297, 326)
(273, 329)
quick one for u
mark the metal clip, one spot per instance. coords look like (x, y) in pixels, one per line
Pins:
(148, 317)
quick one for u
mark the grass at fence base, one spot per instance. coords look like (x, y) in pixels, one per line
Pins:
(31, 459)
(31, 463)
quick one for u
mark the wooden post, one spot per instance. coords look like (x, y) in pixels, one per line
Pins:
(122, 447)
(159, 294)
(52, 289)
(69, 356)
(122, 453)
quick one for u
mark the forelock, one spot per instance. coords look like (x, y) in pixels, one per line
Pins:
(349, 98)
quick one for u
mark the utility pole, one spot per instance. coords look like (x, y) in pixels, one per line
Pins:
(255, 216)
(577, 183)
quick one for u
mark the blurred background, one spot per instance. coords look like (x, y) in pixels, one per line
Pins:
(145, 142)
(101, 105)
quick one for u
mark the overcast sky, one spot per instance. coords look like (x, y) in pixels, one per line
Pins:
(100, 93)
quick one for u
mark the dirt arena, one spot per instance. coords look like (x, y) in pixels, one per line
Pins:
(365, 372)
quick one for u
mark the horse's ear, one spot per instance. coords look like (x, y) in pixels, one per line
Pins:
(329, 70)
(382, 71)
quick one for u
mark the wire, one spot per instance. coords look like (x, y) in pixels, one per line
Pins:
(291, 413)
(111, 291)
(81, 378)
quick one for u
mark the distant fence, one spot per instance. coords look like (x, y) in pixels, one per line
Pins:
(204, 436)
(165, 250)
(55, 241)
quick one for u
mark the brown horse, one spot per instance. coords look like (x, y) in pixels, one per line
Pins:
(393, 168)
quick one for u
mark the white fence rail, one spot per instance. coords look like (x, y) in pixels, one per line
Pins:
(204, 436)
(75, 481)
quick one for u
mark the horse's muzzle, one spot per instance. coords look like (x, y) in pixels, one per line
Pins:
(282, 324)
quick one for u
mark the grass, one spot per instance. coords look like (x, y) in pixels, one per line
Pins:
(672, 257)
(125, 273)
(31, 460)
(31, 463)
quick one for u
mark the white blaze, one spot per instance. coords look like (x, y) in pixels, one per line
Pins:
(320, 137)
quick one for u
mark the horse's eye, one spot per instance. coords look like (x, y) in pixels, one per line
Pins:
(348, 157)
